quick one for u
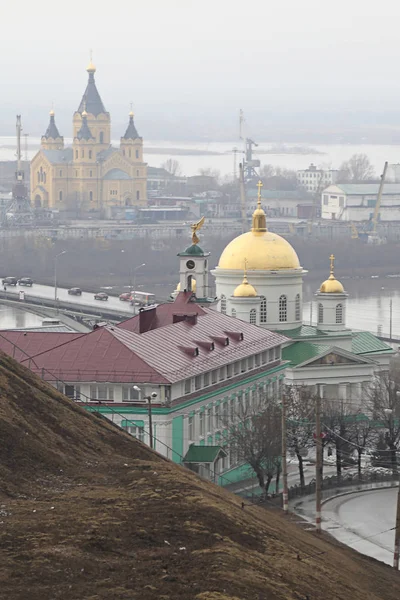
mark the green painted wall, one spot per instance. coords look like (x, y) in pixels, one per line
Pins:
(177, 439)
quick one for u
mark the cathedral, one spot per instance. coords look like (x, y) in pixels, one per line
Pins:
(90, 175)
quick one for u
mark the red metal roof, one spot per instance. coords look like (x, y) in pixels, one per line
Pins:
(23, 344)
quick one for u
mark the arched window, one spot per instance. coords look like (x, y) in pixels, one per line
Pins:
(253, 316)
(283, 308)
(339, 313)
(137, 153)
(91, 196)
(320, 313)
(38, 176)
(76, 154)
(263, 310)
(60, 196)
(130, 153)
(137, 172)
(138, 195)
(44, 177)
(223, 304)
(82, 152)
(90, 154)
(41, 174)
(234, 313)
(101, 137)
(297, 308)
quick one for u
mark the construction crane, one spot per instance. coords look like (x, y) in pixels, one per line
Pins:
(373, 237)
(242, 198)
(250, 164)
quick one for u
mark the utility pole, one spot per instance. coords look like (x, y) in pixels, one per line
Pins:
(318, 464)
(285, 496)
(390, 318)
(150, 421)
(397, 533)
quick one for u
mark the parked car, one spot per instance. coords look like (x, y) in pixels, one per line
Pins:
(126, 296)
(10, 281)
(75, 292)
(25, 281)
(101, 296)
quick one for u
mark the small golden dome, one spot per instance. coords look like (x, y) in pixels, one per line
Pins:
(91, 68)
(84, 114)
(245, 290)
(52, 113)
(331, 285)
(194, 286)
(131, 114)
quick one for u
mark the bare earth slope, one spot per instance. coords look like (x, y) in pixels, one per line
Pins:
(86, 512)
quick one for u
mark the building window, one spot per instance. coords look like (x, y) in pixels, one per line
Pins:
(256, 360)
(270, 355)
(222, 374)
(136, 432)
(208, 423)
(214, 376)
(60, 173)
(243, 365)
(339, 313)
(130, 153)
(325, 199)
(236, 368)
(234, 313)
(197, 382)
(253, 316)
(228, 371)
(297, 308)
(90, 173)
(91, 196)
(60, 196)
(264, 358)
(217, 416)
(282, 308)
(44, 177)
(206, 379)
(137, 153)
(277, 353)
(263, 310)
(191, 428)
(73, 391)
(188, 386)
(137, 173)
(223, 304)
(129, 394)
(38, 176)
(76, 154)
(90, 154)
(138, 195)
(101, 137)
(82, 153)
(320, 313)
(201, 423)
(250, 362)
(102, 392)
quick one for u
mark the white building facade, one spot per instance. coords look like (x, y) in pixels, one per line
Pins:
(357, 202)
(314, 179)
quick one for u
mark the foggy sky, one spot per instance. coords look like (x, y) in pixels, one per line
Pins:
(201, 58)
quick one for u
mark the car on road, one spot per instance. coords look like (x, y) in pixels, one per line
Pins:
(25, 281)
(101, 296)
(75, 292)
(10, 281)
(126, 296)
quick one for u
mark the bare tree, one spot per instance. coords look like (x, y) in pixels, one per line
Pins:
(266, 171)
(363, 433)
(172, 166)
(384, 404)
(255, 437)
(300, 416)
(357, 168)
(210, 172)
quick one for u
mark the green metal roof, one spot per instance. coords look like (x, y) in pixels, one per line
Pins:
(365, 342)
(193, 250)
(310, 331)
(203, 454)
(300, 352)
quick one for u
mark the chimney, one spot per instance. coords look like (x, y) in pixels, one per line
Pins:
(146, 317)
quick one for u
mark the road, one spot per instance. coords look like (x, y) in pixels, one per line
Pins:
(362, 520)
(87, 298)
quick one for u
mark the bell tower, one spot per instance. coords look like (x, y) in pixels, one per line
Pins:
(331, 303)
(193, 267)
(52, 140)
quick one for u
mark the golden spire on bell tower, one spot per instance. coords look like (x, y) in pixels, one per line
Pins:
(332, 268)
(259, 219)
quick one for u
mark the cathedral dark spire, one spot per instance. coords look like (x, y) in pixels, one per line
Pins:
(131, 132)
(52, 131)
(91, 98)
(84, 133)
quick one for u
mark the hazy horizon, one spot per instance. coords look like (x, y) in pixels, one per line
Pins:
(189, 67)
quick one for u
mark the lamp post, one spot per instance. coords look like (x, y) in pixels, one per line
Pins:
(396, 551)
(149, 398)
(55, 274)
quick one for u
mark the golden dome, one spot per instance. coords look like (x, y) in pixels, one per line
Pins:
(262, 249)
(194, 286)
(131, 114)
(245, 290)
(91, 68)
(331, 285)
(52, 113)
(84, 113)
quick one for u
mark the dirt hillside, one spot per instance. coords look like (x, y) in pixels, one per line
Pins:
(89, 513)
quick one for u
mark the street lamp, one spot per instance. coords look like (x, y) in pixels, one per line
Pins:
(149, 398)
(55, 273)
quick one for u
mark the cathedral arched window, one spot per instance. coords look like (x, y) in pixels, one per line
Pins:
(320, 313)
(297, 308)
(234, 313)
(263, 310)
(130, 153)
(41, 174)
(138, 195)
(91, 196)
(60, 196)
(38, 176)
(253, 316)
(90, 154)
(339, 313)
(76, 154)
(101, 137)
(82, 153)
(137, 153)
(44, 177)
(282, 308)
(223, 304)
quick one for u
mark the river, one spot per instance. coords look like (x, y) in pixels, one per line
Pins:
(368, 305)
(331, 155)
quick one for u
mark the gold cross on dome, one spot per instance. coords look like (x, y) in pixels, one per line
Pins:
(259, 185)
(332, 259)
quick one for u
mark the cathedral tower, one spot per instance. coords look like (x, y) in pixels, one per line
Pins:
(131, 143)
(52, 140)
(331, 303)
